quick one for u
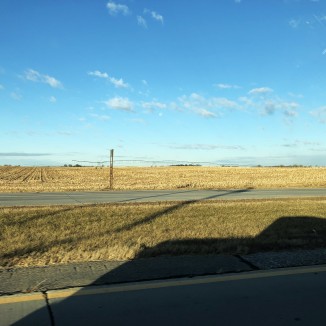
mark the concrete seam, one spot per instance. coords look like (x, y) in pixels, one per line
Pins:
(247, 262)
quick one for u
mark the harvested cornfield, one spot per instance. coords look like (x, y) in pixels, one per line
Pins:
(27, 179)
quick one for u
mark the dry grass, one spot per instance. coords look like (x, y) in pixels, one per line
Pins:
(33, 236)
(24, 179)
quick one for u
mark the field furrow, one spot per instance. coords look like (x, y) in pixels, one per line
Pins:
(16, 179)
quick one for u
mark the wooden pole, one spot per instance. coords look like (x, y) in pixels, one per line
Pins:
(111, 168)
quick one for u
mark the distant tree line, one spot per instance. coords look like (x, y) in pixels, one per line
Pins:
(185, 165)
(72, 166)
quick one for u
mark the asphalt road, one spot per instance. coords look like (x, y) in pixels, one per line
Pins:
(281, 297)
(71, 198)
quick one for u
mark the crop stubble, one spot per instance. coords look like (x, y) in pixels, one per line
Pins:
(25, 179)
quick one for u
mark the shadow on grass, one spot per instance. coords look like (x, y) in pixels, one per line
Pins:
(295, 232)
(43, 248)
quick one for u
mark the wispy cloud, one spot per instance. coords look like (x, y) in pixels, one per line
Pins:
(295, 95)
(260, 90)
(205, 113)
(209, 147)
(203, 106)
(119, 83)
(294, 23)
(116, 8)
(35, 76)
(52, 99)
(320, 114)
(100, 117)
(153, 105)
(157, 16)
(1, 87)
(271, 106)
(16, 96)
(120, 103)
(301, 143)
(154, 15)
(141, 21)
(226, 86)
(138, 120)
(14, 154)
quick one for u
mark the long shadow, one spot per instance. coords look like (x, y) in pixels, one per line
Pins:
(32, 248)
(171, 209)
(227, 192)
(155, 196)
(299, 232)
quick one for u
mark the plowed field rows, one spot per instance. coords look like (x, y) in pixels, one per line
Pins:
(28, 179)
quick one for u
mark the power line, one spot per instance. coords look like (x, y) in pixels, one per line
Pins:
(170, 162)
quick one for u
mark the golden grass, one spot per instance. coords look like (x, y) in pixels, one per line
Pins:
(24, 179)
(31, 236)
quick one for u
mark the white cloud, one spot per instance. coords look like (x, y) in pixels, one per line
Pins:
(116, 8)
(144, 82)
(52, 99)
(1, 87)
(153, 105)
(98, 74)
(35, 76)
(237, 1)
(204, 106)
(226, 86)
(205, 113)
(119, 83)
(154, 15)
(141, 21)
(157, 16)
(51, 81)
(120, 103)
(260, 90)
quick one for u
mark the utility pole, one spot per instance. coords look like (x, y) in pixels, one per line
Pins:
(111, 168)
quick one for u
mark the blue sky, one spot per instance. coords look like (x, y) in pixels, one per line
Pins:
(228, 82)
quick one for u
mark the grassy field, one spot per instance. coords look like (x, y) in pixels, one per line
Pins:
(24, 179)
(34, 236)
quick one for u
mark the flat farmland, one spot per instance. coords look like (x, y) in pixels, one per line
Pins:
(50, 179)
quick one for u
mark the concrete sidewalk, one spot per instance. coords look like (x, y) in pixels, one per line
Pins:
(35, 279)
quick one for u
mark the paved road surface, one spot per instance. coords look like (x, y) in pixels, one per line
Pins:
(65, 198)
(281, 297)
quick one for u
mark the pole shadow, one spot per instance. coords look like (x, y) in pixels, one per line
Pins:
(297, 232)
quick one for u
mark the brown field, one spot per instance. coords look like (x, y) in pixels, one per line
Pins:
(24, 179)
(33, 236)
